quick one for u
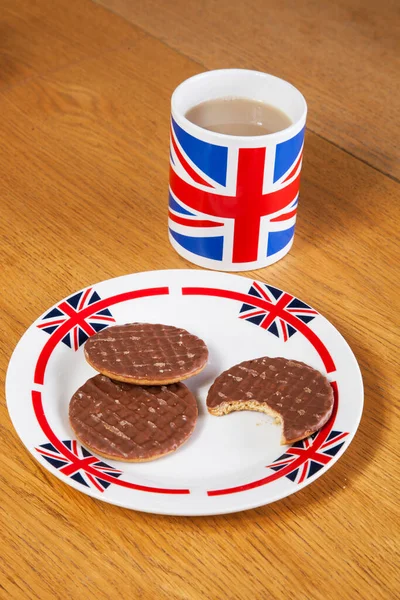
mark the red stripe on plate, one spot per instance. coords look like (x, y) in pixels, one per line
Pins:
(319, 440)
(53, 439)
(83, 299)
(94, 482)
(50, 323)
(271, 308)
(76, 319)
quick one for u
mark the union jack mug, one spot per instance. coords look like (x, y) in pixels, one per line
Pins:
(233, 199)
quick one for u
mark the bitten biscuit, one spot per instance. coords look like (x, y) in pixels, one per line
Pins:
(297, 395)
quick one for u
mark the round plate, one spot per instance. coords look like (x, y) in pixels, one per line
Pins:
(230, 463)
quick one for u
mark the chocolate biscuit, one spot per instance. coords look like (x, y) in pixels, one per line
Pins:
(129, 422)
(146, 354)
(297, 395)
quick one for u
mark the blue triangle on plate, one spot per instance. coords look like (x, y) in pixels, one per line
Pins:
(48, 447)
(274, 291)
(74, 300)
(298, 444)
(256, 319)
(314, 468)
(85, 452)
(50, 329)
(104, 484)
(283, 457)
(54, 312)
(94, 298)
(334, 450)
(292, 476)
(333, 434)
(56, 463)
(305, 318)
(101, 464)
(273, 329)
(254, 292)
(112, 474)
(67, 340)
(82, 336)
(296, 303)
(78, 477)
(246, 307)
(99, 326)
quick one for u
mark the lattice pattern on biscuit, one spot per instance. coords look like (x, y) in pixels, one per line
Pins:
(301, 395)
(146, 351)
(132, 422)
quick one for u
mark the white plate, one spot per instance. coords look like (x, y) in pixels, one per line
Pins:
(230, 463)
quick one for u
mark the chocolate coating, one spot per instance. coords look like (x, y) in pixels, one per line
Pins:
(146, 354)
(300, 396)
(130, 422)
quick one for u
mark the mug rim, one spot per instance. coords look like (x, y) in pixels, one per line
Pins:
(224, 137)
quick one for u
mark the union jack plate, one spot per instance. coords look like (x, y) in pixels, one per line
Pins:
(230, 463)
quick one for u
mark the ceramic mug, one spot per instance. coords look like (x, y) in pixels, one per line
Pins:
(233, 199)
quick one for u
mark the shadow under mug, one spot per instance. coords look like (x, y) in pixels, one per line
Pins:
(233, 199)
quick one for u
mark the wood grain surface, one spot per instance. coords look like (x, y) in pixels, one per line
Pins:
(343, 54)
(84, 99)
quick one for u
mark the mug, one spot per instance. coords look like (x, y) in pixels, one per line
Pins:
(233, 199)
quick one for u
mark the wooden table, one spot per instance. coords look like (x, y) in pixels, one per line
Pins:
(84, 99)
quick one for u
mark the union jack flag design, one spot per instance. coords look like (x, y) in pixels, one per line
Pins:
(280, 306)
(74, 461)
(70, 309)
(313, 460)
(231, 204)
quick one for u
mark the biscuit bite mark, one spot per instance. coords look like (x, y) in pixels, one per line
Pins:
(296, 395)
